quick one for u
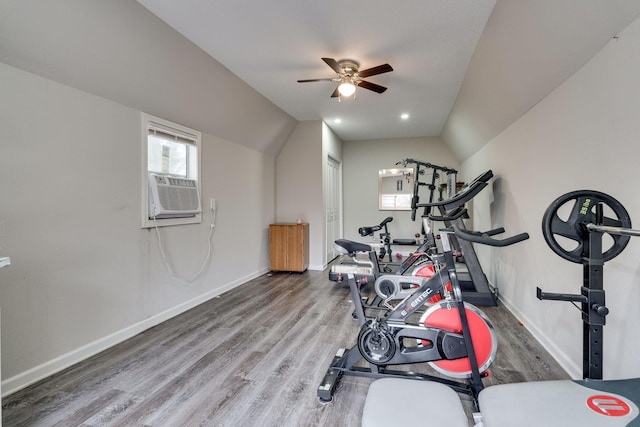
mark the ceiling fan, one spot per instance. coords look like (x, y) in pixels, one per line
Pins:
(349, 77)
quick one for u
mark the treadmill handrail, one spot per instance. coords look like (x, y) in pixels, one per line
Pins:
(464, 195)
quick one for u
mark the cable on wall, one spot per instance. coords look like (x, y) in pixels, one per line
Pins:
(167, 264)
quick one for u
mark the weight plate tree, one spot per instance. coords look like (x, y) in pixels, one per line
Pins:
(574, 227)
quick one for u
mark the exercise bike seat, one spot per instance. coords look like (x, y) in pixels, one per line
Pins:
(351, 247)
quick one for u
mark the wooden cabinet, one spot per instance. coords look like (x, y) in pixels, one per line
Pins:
(289, 247)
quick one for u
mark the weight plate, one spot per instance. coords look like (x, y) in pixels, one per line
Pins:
(574, 227)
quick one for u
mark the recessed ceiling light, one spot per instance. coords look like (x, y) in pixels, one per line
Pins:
(404, 116)
(337, 121)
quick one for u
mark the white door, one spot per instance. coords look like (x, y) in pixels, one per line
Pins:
(333, 192)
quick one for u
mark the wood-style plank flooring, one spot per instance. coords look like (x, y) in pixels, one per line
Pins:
(252, 357)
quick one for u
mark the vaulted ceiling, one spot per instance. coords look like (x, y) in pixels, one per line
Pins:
(462, 70)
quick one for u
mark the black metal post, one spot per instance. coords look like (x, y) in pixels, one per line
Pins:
(593, 310)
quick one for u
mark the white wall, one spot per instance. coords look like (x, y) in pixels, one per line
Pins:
(119, 50)
(299, 185)
(84, 274)
(331, 148)
(300, 178)
(526, 50)
(584, 135)
(331, 145)
(363, 160)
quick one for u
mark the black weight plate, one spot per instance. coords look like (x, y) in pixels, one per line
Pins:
(574, 228)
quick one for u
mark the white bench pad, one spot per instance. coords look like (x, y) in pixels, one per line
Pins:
(401, 402)
(559, 403)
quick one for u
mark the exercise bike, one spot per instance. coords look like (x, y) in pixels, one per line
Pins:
(385, 241)
(375, 266)
(563, 403)
(454, 337)
(365, 267)
(474, 283)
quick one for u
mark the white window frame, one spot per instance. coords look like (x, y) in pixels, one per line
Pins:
(152, 122)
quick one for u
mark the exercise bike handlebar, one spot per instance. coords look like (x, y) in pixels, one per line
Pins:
(468, 192)
(485, 239)
(386, 220)
(462, 212)
(365, 231)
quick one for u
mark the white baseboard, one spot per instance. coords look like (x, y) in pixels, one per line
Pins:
(565, 362)
(316, 267)
(26, 378)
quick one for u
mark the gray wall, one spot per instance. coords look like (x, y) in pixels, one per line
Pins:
(300, 180)
(119, 50)
(363, 160)
(84, 275)
(299, 185)
(584, 135)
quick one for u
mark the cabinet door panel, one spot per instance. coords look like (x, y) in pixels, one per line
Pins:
(288, 247)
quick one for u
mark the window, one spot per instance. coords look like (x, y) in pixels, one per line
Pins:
(395, 189)
(171, 173)
(165, 155)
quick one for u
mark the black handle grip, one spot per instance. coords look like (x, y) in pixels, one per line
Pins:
(453, 215)
(414, 207)
(495, 231)
(484, 239)
(365, 231)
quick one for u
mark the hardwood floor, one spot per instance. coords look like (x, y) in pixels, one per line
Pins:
(251, 357)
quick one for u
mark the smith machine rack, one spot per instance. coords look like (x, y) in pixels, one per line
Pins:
(475, 286)
(585, 226)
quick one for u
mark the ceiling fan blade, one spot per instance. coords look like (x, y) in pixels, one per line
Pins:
(314, 80)
(371, 86)
(335, 93)
(384, 68)
(333, 64)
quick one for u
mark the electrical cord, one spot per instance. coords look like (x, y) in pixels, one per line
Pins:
(165, 260)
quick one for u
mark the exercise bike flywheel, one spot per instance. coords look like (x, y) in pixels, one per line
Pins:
(485, 340)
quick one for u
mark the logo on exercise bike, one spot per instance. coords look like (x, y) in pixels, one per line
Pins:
(608, 405)
(416, 302)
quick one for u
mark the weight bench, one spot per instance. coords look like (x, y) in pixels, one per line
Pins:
(401, 402)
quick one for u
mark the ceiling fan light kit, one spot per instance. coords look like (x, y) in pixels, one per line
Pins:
(350, 77)
(346, 88)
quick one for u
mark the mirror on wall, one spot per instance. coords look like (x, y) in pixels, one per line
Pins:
(395, 189)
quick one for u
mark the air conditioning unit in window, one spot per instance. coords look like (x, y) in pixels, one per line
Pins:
(171, 197)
